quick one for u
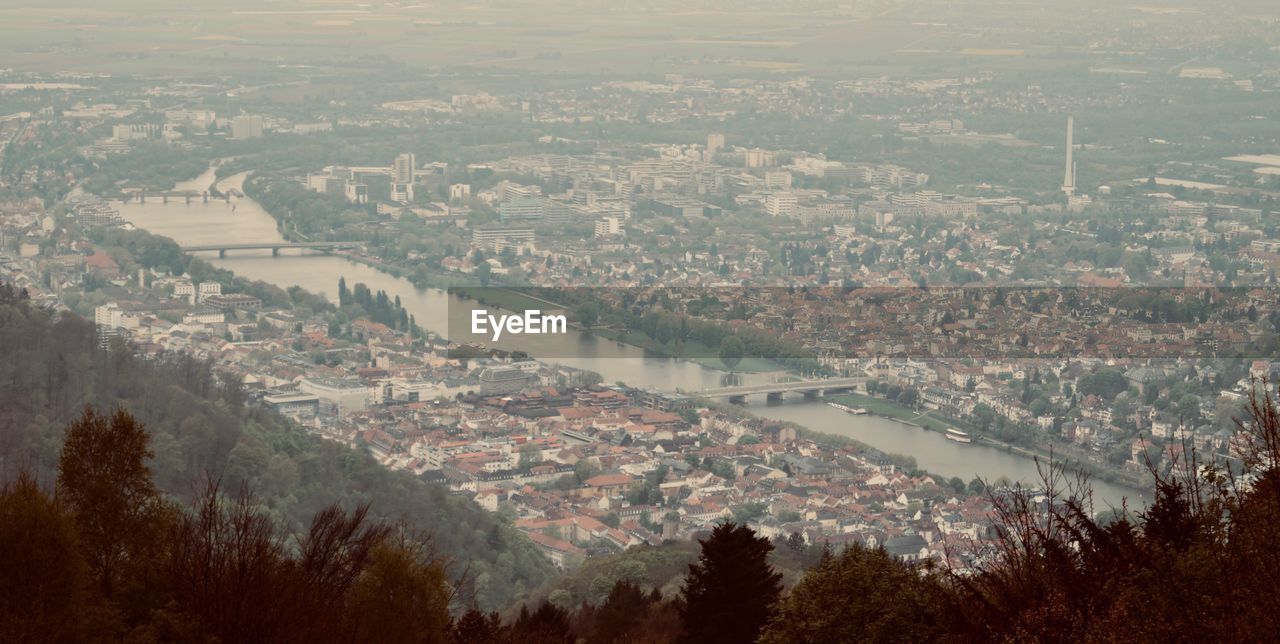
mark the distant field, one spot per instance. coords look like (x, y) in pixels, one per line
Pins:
(151, 37)
(741, 43)
(335, 41)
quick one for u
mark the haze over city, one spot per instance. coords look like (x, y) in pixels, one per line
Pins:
(588, 321)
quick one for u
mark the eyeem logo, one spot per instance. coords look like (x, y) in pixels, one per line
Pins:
(533, 322)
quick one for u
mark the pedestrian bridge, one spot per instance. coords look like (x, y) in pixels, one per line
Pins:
(273, 246)
(810, 388)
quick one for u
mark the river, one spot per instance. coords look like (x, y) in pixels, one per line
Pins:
(244, 221)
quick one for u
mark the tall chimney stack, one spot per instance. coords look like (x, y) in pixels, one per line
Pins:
(1069, 175)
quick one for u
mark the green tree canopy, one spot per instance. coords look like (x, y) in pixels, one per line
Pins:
(729, 593)
(732, 350)
(860, 595)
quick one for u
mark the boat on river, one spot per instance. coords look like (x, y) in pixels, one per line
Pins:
(958, 436)
(856, 411)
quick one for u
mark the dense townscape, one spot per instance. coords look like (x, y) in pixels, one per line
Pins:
(1054, 243)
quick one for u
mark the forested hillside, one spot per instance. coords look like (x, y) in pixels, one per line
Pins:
(51, 367)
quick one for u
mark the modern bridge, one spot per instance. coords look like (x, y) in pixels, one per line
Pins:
(185, 195)
(775, 390)
(275, 247)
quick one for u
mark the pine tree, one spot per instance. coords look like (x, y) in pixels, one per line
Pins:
(475, 627)
(549, 624)
(620, 613)
(729, 593)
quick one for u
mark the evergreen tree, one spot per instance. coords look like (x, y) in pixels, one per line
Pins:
(620, 613)
(549, 624)
(729, 593)
(475, 627)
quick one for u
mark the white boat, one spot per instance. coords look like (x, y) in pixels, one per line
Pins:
(856, 411)
(958, 436)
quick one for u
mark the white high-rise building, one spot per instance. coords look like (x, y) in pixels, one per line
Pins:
(205, 289)
(357, 192)
(402, 192)
(522, 209)
(404, 168)
(109, 315)
(777, 180)
(883, 219)
(185, 289)
(246, 126)
(781, 204)
(758, 158)
(608, 226)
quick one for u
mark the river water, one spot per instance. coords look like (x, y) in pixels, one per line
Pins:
(244, 221)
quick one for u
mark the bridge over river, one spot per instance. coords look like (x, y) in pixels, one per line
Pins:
(775, 390)
(274, 246)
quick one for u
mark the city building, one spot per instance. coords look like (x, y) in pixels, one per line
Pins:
(608, 227)
(232, 301)
(246, 126)
(498, 237)
(781, 204)
(357, 192)
(196, 119)
(298, 405)
(341, 396)
(404, 169)
(715, 143)
(758, 158)
(402, 192)
(206, 289)
(505, 380)
(522, 209)
(110, 316)
(134, 131)
(96, 213)
(777, 180)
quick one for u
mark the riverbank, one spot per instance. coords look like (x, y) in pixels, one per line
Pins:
(927, 421)
(825, 439)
